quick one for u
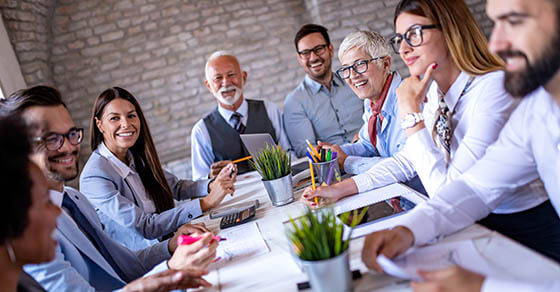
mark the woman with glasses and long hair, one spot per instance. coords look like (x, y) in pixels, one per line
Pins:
(460, 84)
(124, 180)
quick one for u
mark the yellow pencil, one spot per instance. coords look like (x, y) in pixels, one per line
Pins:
(313, 180)
(242, 159)
(313, 148)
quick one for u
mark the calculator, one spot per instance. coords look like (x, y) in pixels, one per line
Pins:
(238, 217)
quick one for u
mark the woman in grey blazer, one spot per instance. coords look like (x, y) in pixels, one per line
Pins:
(135, 198)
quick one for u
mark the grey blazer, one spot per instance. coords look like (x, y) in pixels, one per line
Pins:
(115, 202)
(78, 265)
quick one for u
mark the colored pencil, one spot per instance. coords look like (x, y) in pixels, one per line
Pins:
(313, 148)
(242, 159)
(313, 180)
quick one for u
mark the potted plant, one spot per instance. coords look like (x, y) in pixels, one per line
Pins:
(274, 166)
(321, 242)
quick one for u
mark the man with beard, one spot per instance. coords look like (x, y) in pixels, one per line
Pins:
(215, 139)
(527, 36)
(86, 258)
(323, 107)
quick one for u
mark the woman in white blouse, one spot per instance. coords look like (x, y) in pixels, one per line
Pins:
(124, 180)
(467, 88)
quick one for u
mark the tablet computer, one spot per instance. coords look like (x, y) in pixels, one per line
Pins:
(380, 210)
(384, 205)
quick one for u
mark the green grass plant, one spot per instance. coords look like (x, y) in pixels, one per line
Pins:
(317, 235)
(272, 162)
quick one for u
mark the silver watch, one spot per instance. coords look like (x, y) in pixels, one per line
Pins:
(411, 119)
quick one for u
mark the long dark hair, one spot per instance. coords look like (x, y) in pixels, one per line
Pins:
(143, 151)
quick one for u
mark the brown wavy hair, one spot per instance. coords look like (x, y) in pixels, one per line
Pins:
(465, 41)
(143, 151)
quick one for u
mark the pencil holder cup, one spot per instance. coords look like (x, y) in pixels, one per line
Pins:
(327, 173)
(280, 190)
(329, 275)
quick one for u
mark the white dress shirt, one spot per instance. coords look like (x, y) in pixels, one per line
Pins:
(480, 114)
(202, 155)
(528, 148)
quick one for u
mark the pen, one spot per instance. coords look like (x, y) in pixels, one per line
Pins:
(187, 239)
(329, 153)
(323, 155)
(242, 159)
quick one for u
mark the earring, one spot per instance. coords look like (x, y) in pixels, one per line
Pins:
(11, 253)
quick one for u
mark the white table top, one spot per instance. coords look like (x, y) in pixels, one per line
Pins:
(277, 270)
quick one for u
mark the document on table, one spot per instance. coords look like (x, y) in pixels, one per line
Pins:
(242, 241)
(462, 253)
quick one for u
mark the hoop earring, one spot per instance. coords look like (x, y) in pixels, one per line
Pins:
(11, 253)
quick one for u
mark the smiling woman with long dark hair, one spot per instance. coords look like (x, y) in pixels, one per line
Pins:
(124, 179)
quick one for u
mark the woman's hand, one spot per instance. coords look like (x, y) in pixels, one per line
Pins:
(412, 91)
(341, 155)
(329, 194)
(220, 187)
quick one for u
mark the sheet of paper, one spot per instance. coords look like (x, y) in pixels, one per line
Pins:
(438, 256)
(241, 242)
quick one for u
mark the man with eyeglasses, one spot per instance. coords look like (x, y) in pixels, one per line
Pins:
(322, 107)
(526, 36)
(86, 258)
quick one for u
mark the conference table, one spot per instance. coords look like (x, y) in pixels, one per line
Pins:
(276, 269)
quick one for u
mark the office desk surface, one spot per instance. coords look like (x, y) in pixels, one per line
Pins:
(277, 270)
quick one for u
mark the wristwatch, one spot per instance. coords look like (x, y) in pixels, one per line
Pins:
(411, 119)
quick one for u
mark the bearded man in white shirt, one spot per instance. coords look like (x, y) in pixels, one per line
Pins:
(527, 36)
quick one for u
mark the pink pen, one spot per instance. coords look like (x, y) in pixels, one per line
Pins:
(187, 239)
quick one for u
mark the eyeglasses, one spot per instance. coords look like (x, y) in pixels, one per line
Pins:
(413, 36)
(55, 141)
(359, 67)
(319, 49)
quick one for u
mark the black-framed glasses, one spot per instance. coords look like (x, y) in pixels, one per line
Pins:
(358, 67)
(413, 36)
(54, 141)
(318, 49)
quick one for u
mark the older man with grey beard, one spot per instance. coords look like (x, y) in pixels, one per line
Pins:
(215, 139)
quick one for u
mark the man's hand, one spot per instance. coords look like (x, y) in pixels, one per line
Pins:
(389, 242)
(220, 187)
(169, 280)
(216, 167)
(333, 147)
(196, 229)
(454, 279)
(197, 255)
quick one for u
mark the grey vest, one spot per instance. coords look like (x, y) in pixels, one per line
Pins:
(226, 143)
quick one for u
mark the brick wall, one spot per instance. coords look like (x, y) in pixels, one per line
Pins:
(157, 50)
